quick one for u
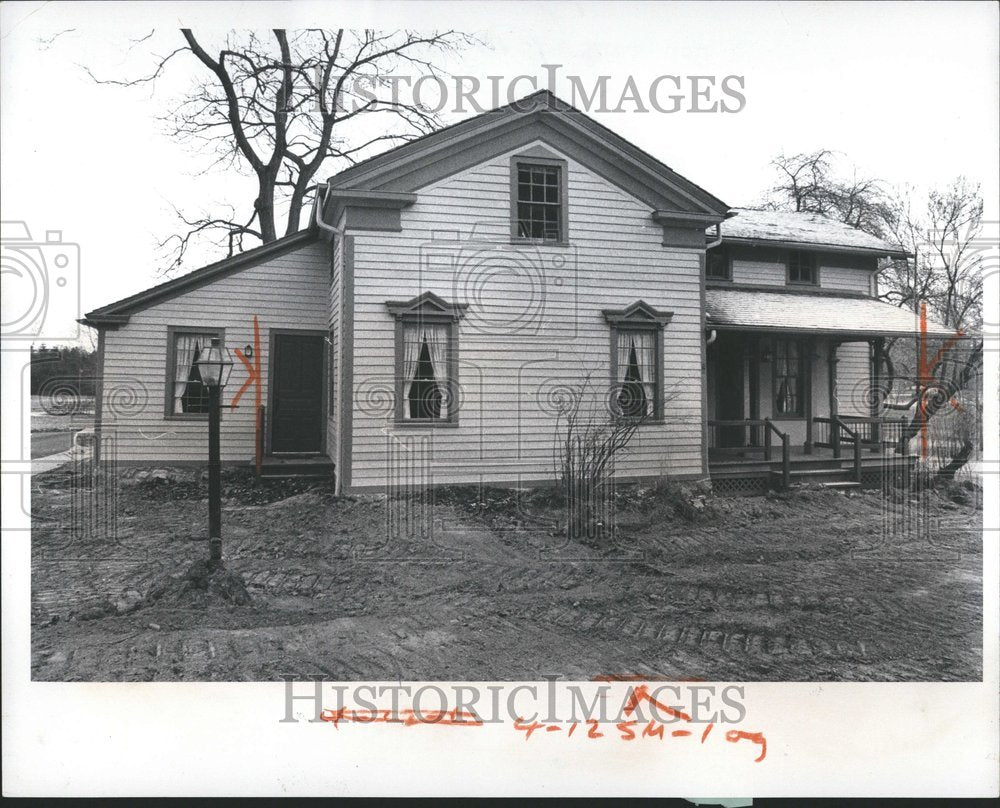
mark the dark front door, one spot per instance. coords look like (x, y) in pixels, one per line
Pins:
(729, 389)
(297, 394)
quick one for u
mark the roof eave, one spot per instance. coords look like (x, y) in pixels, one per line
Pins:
(860, 335)
(816, 245)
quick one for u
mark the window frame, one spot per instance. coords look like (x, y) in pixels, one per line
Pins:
(791, 256)
(429, 309)
(519, 161)
(639, 316)
(800, 414)
(173, 331)
(726, 256)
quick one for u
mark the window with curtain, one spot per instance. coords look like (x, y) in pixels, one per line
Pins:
(425, 371)
(637, 360)
(188, 395)
(637, 382)
(788, 379)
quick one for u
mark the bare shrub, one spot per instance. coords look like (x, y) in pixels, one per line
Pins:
(590, 432)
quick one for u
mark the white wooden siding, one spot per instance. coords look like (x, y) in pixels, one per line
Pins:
(287, 291)
(534, 325)
(845, 279)
(758, 273)
(853, 378)
(772, 273)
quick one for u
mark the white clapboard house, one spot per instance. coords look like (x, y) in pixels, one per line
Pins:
(448, 294)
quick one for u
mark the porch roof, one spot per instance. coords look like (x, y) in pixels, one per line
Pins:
(755, 310)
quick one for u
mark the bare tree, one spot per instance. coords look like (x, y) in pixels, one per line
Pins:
(808, 182)
(279, 106)
(942, 277)
(945, 270)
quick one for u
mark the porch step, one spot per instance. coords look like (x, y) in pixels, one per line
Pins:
(315, 467)
(842, 485)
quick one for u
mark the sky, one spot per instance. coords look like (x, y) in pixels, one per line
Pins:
(905, 92)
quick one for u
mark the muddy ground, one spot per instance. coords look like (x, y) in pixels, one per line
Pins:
(812, 585)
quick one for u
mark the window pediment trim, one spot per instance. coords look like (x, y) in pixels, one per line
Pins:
(427, 306)
(638, 315)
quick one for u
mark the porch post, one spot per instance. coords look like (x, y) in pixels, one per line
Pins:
(831, 367)
(810, 347)
(878, 349)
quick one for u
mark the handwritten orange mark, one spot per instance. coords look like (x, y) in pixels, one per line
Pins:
(408, 717)
(627, 730)
(641, 693)
(925, 375)
(735, 735)
(253, 371)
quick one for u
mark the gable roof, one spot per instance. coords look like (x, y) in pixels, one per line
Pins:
(541, 115)
(117, 313)
(782, 227)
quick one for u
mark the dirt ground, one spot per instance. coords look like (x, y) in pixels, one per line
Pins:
(482, 585)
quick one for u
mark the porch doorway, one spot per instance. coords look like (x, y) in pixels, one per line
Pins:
(730, 381)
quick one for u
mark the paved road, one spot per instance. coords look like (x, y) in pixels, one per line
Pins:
(47, 443)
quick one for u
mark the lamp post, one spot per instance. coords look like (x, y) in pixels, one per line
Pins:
(214, 366)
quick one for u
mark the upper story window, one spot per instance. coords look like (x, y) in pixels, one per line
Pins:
(187, 396)
(538, 198)
(802, 267)
(717, 265)
(426, 373)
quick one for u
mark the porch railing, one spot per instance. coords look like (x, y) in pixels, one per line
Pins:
(751, 433)
(838, 432)
(879, 432)
(874, 433)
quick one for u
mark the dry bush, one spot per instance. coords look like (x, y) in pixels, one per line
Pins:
(589, 436)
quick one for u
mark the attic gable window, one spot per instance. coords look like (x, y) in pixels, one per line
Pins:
(538, 199)
(637, 361)
(426, 372)
(186, 396)
(802, 267)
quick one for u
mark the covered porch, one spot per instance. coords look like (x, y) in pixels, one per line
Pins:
(793, 389)
(795, 407)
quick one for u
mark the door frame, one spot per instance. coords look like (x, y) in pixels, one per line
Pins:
(272, 357)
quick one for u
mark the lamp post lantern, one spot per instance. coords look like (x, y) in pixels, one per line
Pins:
(214, 366)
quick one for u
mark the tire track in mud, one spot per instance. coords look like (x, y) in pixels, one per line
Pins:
(714, 640)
